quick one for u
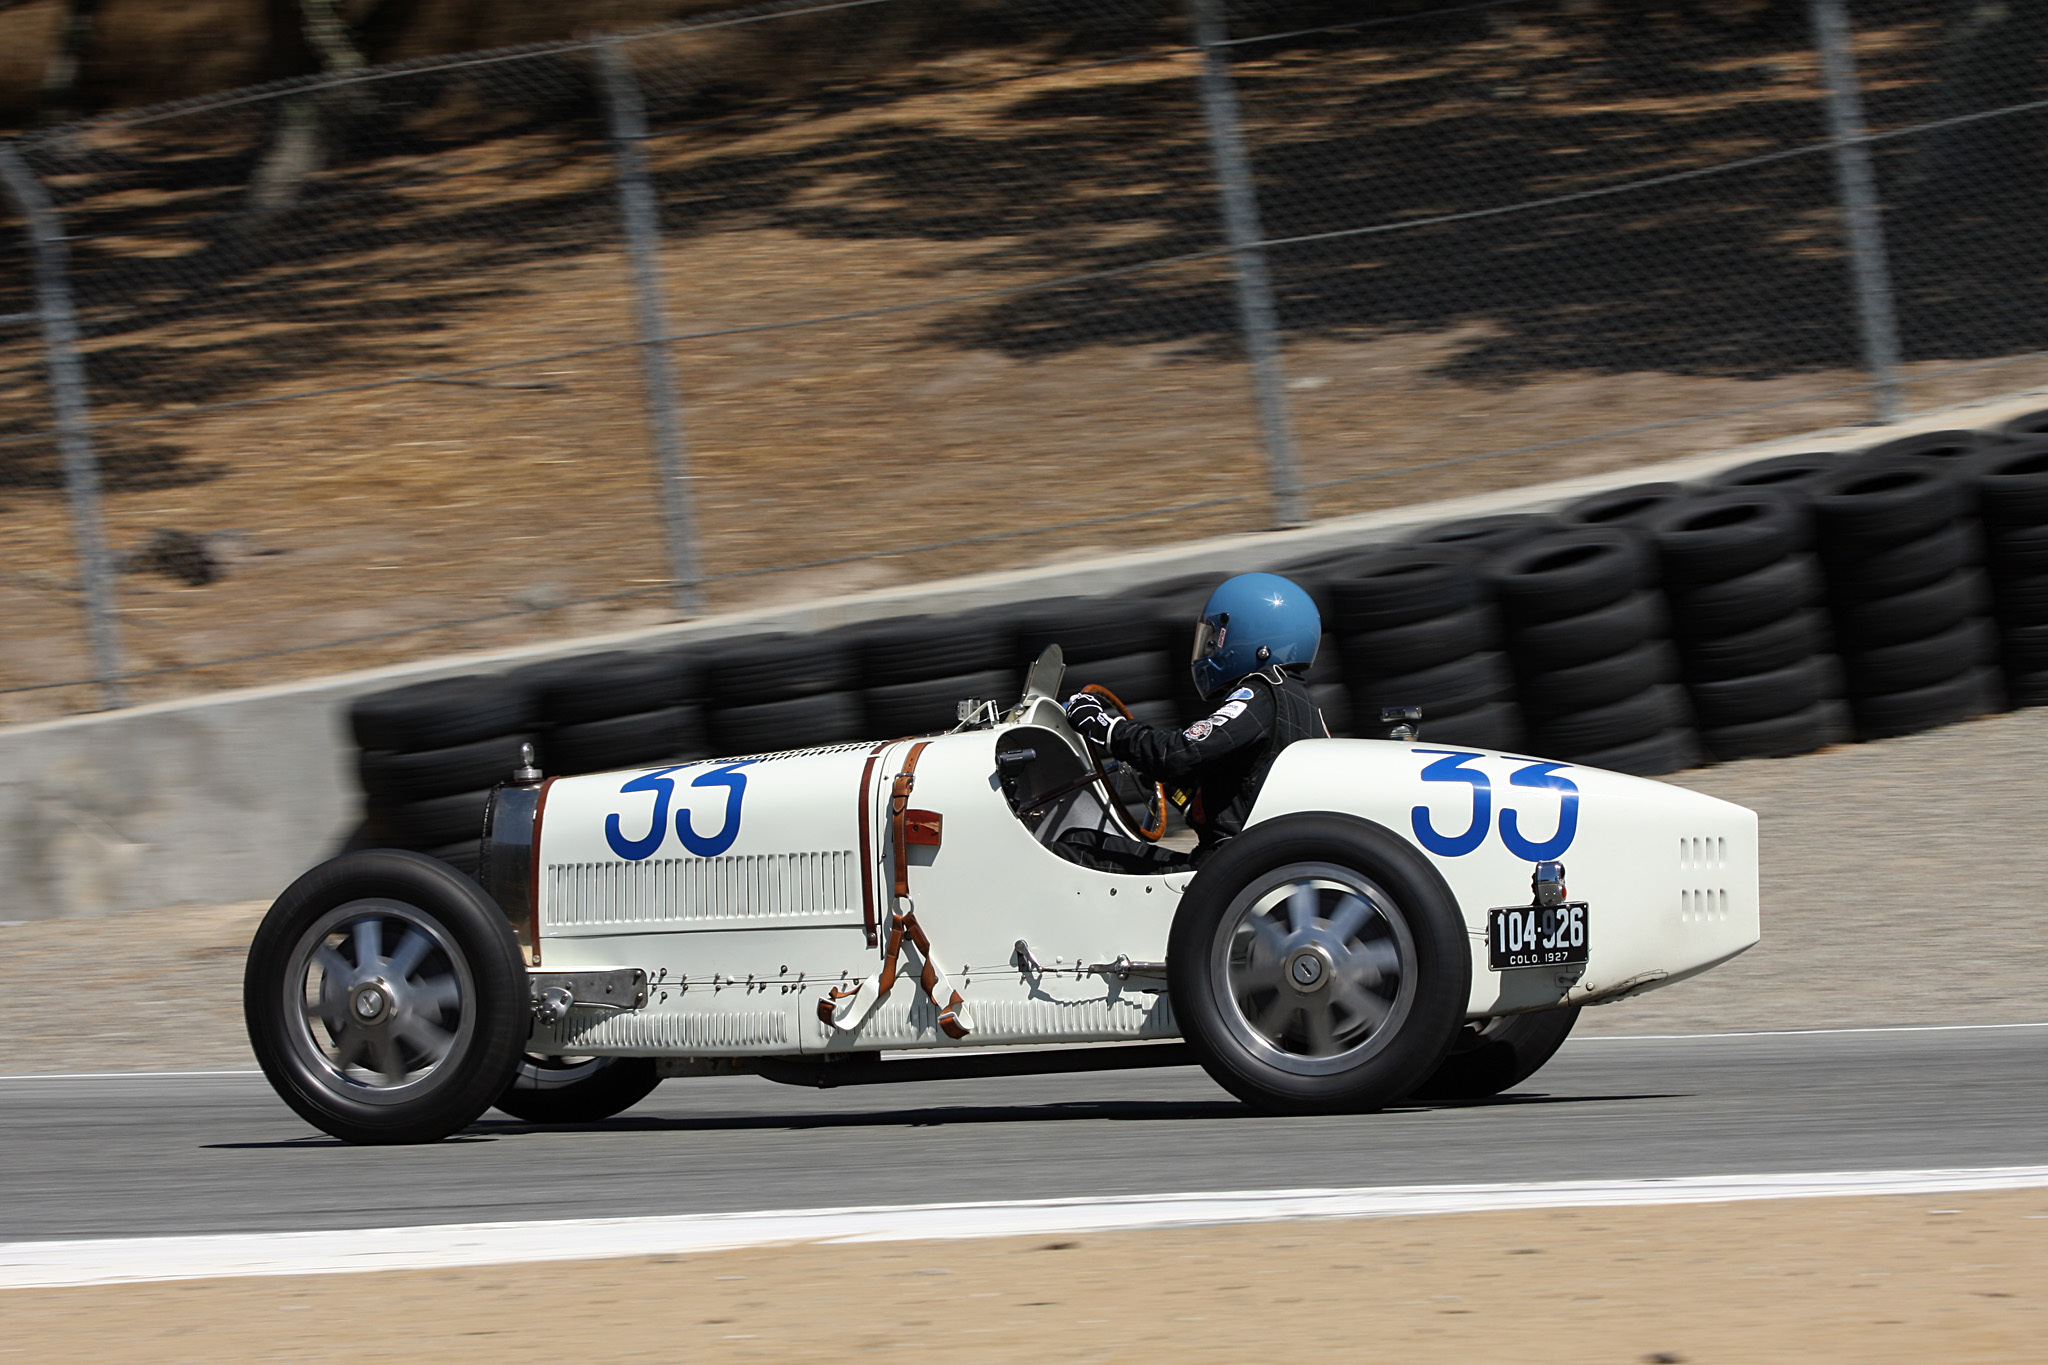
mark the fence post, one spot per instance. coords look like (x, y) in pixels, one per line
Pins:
(74, 414)
(1874, 304)
(628, 122)
(1248, 258)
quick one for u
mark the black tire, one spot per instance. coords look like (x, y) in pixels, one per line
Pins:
(1489, 536)
(1496, 725)
(1135, 678)
(1723, 535)
(1093, 627)
(577, 1089)
(912, 649)
(2012, 485)
(2024, 649)
(429, 824)
(1884, 502)
(1420, 644)
(926, 707)
(392, 778)
(1818, 726)
(2024, 601)
(2016, 551)
(1669, 751)
(803, 723)
(1490, 1056)
(1216, 973)
(1754, 599)
(2029, 689)
(1951, 448)
(1761, 696)
(1569, 574)
(1400, 585)
(652, 737)
(757, 670)
(1454, 687)
(2026, 428)
(1636, 505)
(1600, 683)
(465, 856)
(1911, 616)
(441, 714)
(1794, 475)
(1975, 693)
(1867, 576)
(1650, 712)
(1777, 644)
(1595, 635)
(594, 687)
(471, 955)
(1922, 663)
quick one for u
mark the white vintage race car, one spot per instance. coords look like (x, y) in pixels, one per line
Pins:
(1392, 922)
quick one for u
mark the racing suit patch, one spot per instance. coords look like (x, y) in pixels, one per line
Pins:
(1200, 730)
(1242, 694)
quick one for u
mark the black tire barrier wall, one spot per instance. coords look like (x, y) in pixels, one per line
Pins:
(1902, 560)
(431, 751)
(1588, 635)
(1414, 626)
(1748, 610)
(2011, 486)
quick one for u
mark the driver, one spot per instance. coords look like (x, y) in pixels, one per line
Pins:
(1258, 633)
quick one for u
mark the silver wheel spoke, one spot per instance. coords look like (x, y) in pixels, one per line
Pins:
(430, 1039)
(411, 949)
(1362, 1004)
(349, 1047)
(369, 934)
(1272, 1016)
(1301, 908)
(334, 967)
(1351, 914)
(1267, 940)
(384, 1059)
(441, 992)
(1322, 1034)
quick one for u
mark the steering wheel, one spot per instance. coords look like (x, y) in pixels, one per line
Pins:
(1152, 833)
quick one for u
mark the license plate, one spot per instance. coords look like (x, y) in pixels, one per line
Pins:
(1536, 936)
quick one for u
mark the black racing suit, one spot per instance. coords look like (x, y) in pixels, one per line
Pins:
(1214, 768)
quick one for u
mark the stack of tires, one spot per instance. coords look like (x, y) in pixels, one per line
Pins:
(1587, 631)
(1636, 506)
(1792, 475)
(2029, 428)
(1955, 448)
(1121, 643)
(1901, 558)
(1413, 626)
(771, 692)
(1487, 536)
(618, 710)
(430, 754)
(916, 670)
(2012, 500)
(1748, 612)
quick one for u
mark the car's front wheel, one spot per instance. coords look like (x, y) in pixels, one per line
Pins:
(1319, 964)
(385, 998)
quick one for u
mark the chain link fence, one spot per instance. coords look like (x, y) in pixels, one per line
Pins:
(512, 345)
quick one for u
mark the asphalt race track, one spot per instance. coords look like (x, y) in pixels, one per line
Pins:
(148, 1155)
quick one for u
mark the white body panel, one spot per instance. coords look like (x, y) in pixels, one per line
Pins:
(751, 896)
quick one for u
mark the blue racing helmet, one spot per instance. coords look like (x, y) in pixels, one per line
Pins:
(1254, 620)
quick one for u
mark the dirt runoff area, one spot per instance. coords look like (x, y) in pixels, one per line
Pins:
(1953, 1279)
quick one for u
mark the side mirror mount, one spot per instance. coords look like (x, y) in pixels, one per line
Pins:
(1401, 723)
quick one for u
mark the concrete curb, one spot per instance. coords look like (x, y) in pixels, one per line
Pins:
(229, 796)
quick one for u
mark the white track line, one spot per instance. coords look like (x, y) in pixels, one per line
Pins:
(49, 1265)
(1575, 1042)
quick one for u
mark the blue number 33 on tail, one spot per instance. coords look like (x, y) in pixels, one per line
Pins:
(1452, 767)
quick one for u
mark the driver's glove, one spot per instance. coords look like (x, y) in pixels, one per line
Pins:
(1089, 717)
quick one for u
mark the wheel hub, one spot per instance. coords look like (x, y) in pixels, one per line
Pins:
(1308, 968)
(372, 1002)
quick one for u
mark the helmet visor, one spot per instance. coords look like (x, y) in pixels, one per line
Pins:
(1209, 634)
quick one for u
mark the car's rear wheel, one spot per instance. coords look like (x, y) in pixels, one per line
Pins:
(385, 998)
(1319, 964)
(1492, 1055)
(577, 1089)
